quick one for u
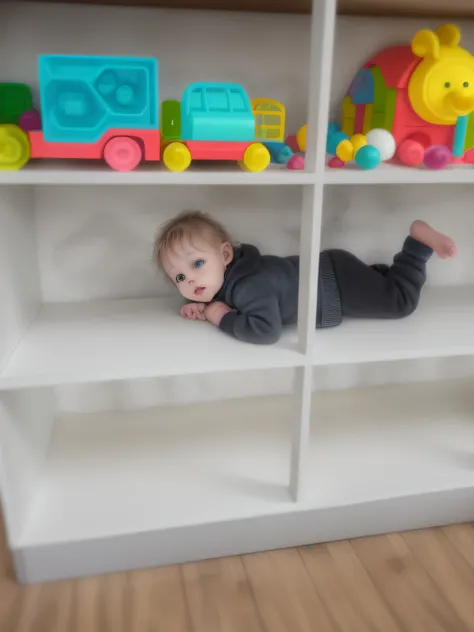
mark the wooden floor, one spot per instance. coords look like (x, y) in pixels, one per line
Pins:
(419, 581)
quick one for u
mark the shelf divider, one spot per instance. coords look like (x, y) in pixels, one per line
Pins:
(323, 22)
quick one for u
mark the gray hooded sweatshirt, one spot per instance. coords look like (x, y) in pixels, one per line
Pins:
(264, 291)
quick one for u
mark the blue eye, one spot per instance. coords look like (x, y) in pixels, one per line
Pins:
(466, 84)
(180, 278)
(447, 84)
(198, 264)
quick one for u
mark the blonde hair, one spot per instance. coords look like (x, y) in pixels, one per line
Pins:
(185, 226)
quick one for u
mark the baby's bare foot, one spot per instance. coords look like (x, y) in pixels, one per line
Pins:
(441, 244)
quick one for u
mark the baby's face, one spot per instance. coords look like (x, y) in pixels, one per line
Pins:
(197, 268)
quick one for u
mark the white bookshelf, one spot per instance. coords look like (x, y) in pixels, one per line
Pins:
(127, 485)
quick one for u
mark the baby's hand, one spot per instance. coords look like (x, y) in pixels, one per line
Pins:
(214, 312)
(194, 311)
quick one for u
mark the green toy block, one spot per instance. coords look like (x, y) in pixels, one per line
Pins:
(469, 143)
(380, 89)
(385, 100)
(171, 120)
(390, 104)
(15, 98)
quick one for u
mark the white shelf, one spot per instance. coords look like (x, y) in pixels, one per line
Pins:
(394, 174)
(441, 326)
(139, 338)
(111, 474)
(162, 469)
(93, 173)
(388, 442)
(129, 339)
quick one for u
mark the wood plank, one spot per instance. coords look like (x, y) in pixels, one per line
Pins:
(219, 597)
(450, 571)
(403, 8)
(158, 602)
(410, 593)
(462, 536)
(347, 590)
(284, 592)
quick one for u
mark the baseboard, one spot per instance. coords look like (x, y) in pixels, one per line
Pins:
(301, 526)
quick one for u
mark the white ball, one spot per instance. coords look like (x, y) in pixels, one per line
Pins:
(384, 142)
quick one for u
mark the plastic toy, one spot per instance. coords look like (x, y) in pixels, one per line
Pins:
(215, 122)
(367, 157)
(383, 141)
(107, 108)
(296, 162)
(422, 94)
(98, 107)
(14, 147)
(270, 116)
(30, 121)
(357, 147)
(301, 137)
(15, 98)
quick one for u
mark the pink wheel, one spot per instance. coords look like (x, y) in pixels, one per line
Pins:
(123, 153)
(411, 153)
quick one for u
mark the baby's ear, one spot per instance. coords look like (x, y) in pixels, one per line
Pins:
(426, 44)
(227, 252)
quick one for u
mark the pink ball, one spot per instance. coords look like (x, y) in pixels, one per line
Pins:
(336, 163)
(410, 152)
(437, 156)
(295, 162)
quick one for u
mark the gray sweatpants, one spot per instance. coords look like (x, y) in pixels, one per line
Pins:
(381, 291)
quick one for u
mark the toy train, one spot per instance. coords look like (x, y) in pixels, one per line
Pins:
(423, 95)
(107, 108)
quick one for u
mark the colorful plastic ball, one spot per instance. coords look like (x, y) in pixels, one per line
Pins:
(334, 140)
(345, 151)
(301, 137)
(437, 156)
(333, 128)
(336, 163)
(368, 157)
(296, 162)
(411, 152)
(383, 141)
(358, 141)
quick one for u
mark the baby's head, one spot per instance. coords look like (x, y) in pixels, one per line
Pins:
(194, 251)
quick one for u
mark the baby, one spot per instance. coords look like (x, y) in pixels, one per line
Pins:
(252, 296)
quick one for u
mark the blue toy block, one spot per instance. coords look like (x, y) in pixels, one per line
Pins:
(216, 112)
(363, 89)
(280, 153)
(82, 97)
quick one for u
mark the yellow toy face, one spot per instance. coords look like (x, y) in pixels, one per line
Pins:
(449, 90)
(441, 87)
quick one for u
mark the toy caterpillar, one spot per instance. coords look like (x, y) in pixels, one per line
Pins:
(422, 94)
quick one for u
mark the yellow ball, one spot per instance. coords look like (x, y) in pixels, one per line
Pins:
(358, 141)
(345, 151)
(301, 137)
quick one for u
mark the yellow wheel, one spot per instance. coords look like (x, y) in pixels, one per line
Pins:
(14, 147)
(177, 157)
(256, 158)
